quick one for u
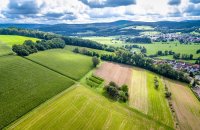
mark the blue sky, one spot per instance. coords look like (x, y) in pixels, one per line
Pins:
(87, 11)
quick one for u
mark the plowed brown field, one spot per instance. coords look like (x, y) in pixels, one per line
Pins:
(118, 73)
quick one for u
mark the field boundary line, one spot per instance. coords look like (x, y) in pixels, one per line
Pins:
(73, 79)
(31, 112)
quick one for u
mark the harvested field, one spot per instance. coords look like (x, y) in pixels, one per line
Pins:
(186, 105)
(120, 74)
(138, 94)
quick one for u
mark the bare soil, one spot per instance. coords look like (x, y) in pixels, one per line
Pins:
(118, 73)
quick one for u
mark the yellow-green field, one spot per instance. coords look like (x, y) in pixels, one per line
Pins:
(81, 108)
(14, 39)
(6, 42)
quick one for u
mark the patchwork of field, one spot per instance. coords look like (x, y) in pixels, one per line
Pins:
(63, 61)
(24, 85)
(118, 73)
(14, 39)
(186, 105)
(154, 47)
(142, 94)
(81, 108)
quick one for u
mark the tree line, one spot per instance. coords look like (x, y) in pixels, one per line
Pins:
(139, 40)
(139, 60)
(48, 36)
(29, 47)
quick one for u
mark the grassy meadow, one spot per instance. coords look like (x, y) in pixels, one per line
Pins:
(24, 85)
(81, 108)
(64, 61)
(14, 39)
(6, 42)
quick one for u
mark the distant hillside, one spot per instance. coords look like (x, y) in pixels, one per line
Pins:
(122, 27)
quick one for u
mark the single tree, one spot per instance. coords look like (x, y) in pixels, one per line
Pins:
(95, 61)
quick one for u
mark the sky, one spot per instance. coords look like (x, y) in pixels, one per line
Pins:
(91, 11)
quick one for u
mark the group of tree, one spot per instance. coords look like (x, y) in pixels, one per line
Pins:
(164, 53)
(183, 56)
(130, 47)
(116, 92)
(139, 40)
(29, 47)
(139, 60)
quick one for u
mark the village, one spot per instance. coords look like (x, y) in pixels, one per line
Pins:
(193, 71)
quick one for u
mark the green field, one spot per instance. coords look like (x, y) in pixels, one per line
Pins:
(24, 85)
(14, 39)
(157, 104)
(106, 40)
(174, 46)
(81, 108)
(6, 42)
(64, 61)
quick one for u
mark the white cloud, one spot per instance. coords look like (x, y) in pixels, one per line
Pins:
(75, 11)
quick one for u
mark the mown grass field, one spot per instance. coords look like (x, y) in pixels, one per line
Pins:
(186, 105)
(138, 93)
(6, 42)
(81, 108)
(64, 61)
(24, 85)
(14, 39)
(157, 103)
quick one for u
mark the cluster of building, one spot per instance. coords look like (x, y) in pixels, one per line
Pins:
(179, 65)
(183, 38)
(186, 67)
